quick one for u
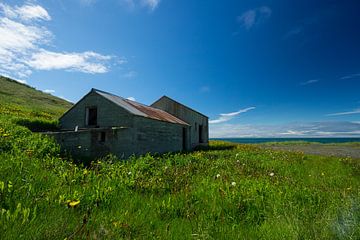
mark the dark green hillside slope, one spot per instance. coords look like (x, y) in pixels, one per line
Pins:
(20, 99)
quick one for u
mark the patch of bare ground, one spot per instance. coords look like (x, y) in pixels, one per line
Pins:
(340, 150)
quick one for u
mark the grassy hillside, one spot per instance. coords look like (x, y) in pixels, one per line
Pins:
(22, 100)
(227, 191)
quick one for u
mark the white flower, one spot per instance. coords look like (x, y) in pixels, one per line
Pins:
(233, 184)
(217, 175)
(129, 173)
(271, 174)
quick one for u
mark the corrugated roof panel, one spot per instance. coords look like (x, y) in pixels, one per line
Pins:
(155, 113)
(120, 102)
(140, 109)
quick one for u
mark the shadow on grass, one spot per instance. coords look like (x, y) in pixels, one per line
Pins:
(38, 125)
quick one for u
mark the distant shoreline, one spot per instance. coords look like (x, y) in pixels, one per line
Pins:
(311, 140)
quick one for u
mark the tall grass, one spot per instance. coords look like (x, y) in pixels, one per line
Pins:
(226, 191)
(223, 192)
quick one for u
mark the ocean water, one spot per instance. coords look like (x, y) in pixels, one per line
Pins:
(265, 140)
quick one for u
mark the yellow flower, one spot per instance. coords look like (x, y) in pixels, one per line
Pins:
(73, 203)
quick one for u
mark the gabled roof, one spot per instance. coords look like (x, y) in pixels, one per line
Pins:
(140, 109)
(172, 100)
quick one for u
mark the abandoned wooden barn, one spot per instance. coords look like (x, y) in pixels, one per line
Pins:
(102, 123)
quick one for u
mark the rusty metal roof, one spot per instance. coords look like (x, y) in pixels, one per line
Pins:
(140, 109)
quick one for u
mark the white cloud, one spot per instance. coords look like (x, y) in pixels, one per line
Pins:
(310, 129)
(131, 74)
(205, 89)
(351, 76)
(23, 41)
(355, 111)
(87, 2)
(293, 32)
(26, 12)
(87, 62)
(254, 16)
(50, 91)
(312, 81)
(62, 97)
(131, 98)
(151, 4)
(225, 117)
(132, 4)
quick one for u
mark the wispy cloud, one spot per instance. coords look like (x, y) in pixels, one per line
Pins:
(26, 12)
(151, 5)
(309, 129)
(23, 41)
(355, 111)
(225, 117)
(351, 76)
(130, 74)
(88, 2)
(205, 89)
(62, 97)
(131, 98)
(254, 16)
(312, 81)
(86, 62)
(50, 91)
(293, 32)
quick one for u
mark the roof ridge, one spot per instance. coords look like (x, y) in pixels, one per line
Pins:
(139, 109)
(164, 96)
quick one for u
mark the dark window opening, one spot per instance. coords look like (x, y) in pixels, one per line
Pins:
(201, 139)
(92, 116)
(184, 138)
(102, 137)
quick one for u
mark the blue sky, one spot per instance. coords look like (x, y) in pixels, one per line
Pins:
(256, 68)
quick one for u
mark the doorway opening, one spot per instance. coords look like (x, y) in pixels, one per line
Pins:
(201, 139)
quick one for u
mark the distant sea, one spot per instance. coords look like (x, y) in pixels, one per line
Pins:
(265, 140)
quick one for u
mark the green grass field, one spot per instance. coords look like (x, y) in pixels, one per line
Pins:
(226, 191)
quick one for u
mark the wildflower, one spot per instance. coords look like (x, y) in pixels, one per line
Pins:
(233, 184)
(79, 146)
(73, 203)
(217, 175)
(271, 174)
(129, 173)
(322, 174)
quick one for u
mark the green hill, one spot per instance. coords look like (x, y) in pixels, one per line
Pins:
(20, 99)
(226, 191)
